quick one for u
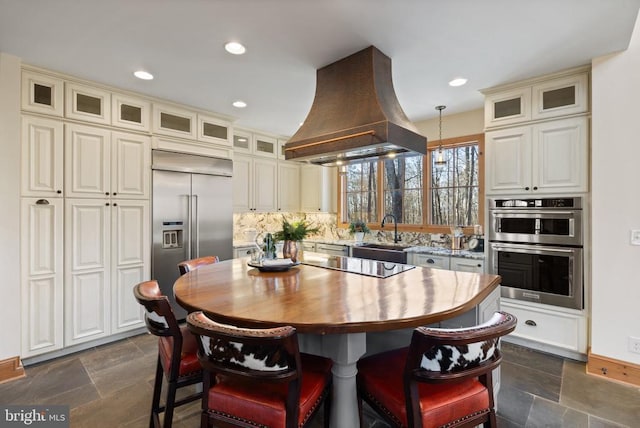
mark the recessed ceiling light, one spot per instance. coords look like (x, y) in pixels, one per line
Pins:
(235, 48)
(239, 104)
(458, 81)
(144, 75)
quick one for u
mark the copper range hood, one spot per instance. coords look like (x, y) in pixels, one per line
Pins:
(355, 114)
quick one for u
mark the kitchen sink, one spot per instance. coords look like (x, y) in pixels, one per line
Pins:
(382, 252)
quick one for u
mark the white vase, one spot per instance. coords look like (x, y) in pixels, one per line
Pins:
(359, 236)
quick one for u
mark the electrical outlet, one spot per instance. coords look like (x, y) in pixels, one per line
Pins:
(635, 237)
(634, 344)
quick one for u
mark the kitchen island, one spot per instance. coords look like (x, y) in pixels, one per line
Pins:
(337, 309)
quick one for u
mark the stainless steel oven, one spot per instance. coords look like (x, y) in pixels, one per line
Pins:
(536, 246)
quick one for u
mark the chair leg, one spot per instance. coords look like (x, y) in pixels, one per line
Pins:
(491, 423)
(169, 405)
(157, 390)
(204, 419)
(327, 408)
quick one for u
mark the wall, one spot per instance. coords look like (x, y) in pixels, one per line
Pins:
(454, 125)
(10, 210)
(616, 202)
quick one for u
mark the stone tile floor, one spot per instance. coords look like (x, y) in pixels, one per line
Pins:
(111, 386)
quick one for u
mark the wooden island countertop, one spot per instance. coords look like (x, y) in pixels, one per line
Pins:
(337, 309)
(324, 301)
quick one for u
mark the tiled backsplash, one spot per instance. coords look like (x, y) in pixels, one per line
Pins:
(272, 222)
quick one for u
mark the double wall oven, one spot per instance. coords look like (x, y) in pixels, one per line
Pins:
(536, 245)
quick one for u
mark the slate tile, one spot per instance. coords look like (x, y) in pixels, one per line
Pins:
(514, 404)
(530, 380)
(596, 422)
(547, 414)
(108, 356)
(138, 370)
(535, 360)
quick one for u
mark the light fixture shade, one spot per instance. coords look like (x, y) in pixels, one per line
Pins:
(440, 163)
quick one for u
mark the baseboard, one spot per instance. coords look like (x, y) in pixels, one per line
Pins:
(11, 369)
(613, 369)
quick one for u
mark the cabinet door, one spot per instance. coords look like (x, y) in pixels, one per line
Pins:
(265, 146)
(214, 130)
(561, 156)
(508, 160)
(87, 269)
(561, 97)
(42, 157)
(87, 161)
(87, 103)
(130, 260)
(265, 185)
(507, 107)
(288, 186)
(242, 184)
(242, 142)
(131, 113)
(467, 265)
(430, 260)
(42, 93)
(131, 165)
(173, 121)
(42, 275)
(319, 184)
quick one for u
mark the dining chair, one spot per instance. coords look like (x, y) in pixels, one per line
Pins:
(258, 377)
(177, 353)
(189, 265)
(444, 377)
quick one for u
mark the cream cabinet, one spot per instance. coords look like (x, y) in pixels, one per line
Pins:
(551, 329)
(106, 254)
(42, 93)
(130, 112)
(42, 275)
(318, 186)
(245, 142)
(255, 184)
(561, 94)
(42, 157)
(462, 264)
(174, 121)
(214, 130)
(100, 163)
(87, 103)
(430, 260)
(288, 186)
(547, 157)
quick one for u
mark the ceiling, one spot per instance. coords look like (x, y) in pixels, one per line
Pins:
(430, 42)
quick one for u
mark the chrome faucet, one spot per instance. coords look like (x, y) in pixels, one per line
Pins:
(396, 238)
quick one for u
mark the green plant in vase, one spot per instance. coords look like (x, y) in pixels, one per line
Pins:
(291, 233)
(358, 228)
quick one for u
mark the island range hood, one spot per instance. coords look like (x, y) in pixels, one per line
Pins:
(355, 114)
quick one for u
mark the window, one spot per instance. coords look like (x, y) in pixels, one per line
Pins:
(454, 190)
(420, 196)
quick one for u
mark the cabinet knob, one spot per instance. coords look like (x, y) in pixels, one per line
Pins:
(532, 323)
(58, 191)
(115, 205)
(107, 204)
(526, 188)
(535, 187)
(106, 193)
(114, 193)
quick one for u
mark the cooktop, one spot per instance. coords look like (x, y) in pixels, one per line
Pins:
(359, 266)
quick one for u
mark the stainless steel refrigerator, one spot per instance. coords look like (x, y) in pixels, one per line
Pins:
(192, 214)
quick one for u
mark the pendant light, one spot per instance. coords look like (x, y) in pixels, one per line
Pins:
(440, 163)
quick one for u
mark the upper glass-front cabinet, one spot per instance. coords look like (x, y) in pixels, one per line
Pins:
(87, 103)
(554, 97)
(213, 130)
(265, 146)
(559, 97)
(242, 141)
(131, 113)
(173, 121)
(42, 93)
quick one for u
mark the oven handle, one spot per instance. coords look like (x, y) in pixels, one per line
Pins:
(533, 249)
(532, 214)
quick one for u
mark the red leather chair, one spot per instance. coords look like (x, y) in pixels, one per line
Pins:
(442, 379)
(177, 352)
(258, 377)
(189, 265)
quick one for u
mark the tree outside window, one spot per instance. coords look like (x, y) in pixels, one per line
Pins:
(420, 196)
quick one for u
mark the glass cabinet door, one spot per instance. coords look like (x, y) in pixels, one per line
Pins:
(87, 103)
(42, 93)
(131, 113)
(213, 130)
(560, 97)
(173, 121)
(508, 107)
